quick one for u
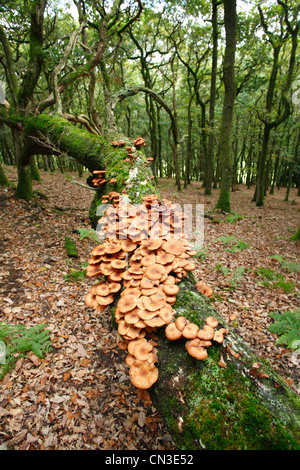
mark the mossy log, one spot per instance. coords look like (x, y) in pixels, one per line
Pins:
(206, 406)
(55, 135)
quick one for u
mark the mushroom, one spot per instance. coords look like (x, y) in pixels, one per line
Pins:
(127, 303)
(155, 272)
(181, 323)
(190, 331)
(118, 264)
(206, 333)
(143, 375)
(106, 300)
(114, 287)
(218, 337)
(172, 333)
(90, 300)
(174, 247)
(171, 289)
(204, 289)
(211, 321)
(142, 350)
(195, 350)
(101, 289)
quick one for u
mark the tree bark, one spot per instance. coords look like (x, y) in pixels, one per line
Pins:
(230, 19)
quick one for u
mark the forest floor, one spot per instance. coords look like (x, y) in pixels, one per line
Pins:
(79, 397)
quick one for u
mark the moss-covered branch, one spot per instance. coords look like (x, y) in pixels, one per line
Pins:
(214, 408)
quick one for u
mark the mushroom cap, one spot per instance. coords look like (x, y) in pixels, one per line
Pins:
(93, 270)
(164, 258)
(155, 271)
(197, 352)
(127, 303)
(131, 291)
(127, 245)
(98, 250)
(155, 322)
(143, 375)
(172, 333)
(218, 337)
(150, 291)
(148, 259)
(101, 289)
(148, 283)
(132, 343)
(118, 263)
(206, 333)
(181, 322)
(211, 321)
(152, 303)
(153, 243)
(174, 247)
(147, 314)
(90, 300)
(106, 300)
(132, 318)
(114, 287)
(171, 289)
(166, 315)
(142, 350)
(190, 331)
(170, 280)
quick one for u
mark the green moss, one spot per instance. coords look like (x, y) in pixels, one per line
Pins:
(224, 201)
(221, 409)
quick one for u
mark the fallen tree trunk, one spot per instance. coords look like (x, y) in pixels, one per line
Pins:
(204, 405)
(222, 407)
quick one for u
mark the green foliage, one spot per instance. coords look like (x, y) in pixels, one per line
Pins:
(234, 217)
(235, 245)
(19, 340)
(70, 248)
(296, 236)
(235, 276)
(287, 326)
(203, 253)
(77, 275)
(274, 280)
(88, 233)
(291, 266)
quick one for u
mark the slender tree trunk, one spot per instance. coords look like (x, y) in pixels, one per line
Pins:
(291, 168)
(35, 174)
(4, 181)
(212, 102)
(230, 19)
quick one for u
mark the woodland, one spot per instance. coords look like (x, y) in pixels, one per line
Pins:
(104, 342)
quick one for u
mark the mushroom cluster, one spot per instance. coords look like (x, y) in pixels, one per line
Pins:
(204, 289)
(143, 258)
(118, 143)
(98, 180)
(199, 339)
(139, 142)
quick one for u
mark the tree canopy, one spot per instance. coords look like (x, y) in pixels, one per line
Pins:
(80, 60)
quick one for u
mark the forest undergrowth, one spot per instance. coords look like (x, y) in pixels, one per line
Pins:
(79, 396)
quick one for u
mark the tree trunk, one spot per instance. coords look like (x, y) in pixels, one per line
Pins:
(230, 19)
(212, 101)
(4, 181)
